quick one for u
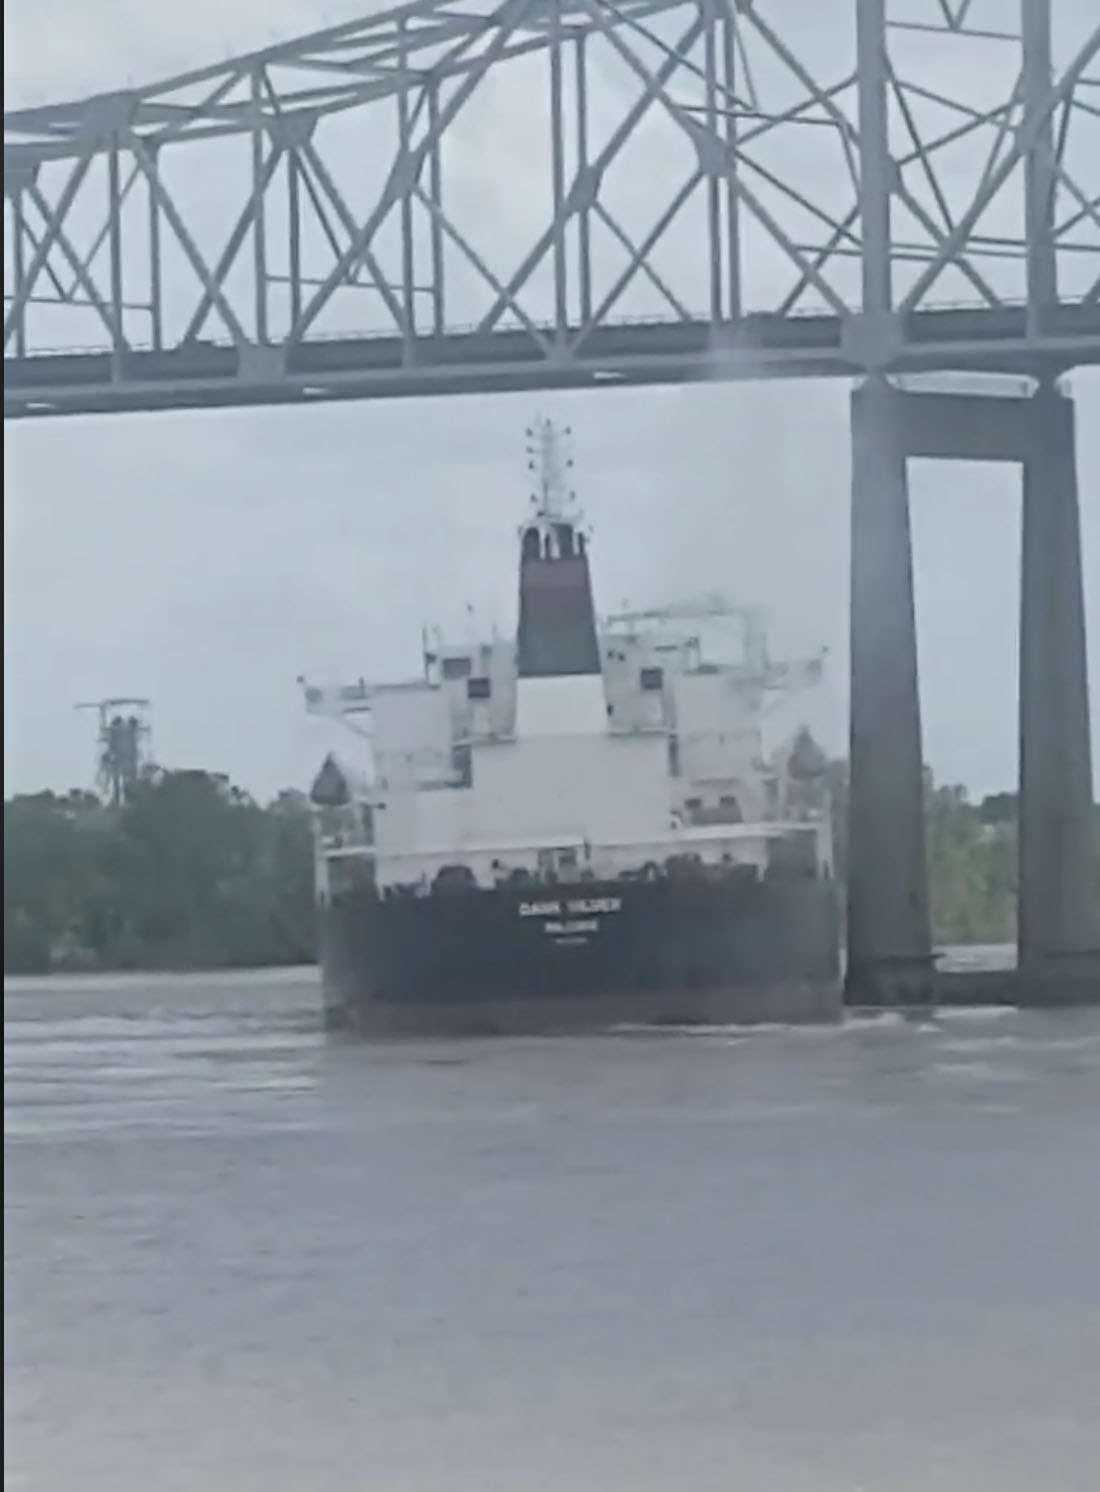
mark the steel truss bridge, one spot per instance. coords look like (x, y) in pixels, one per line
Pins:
(455, 196)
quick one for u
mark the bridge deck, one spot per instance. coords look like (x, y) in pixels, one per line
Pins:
(202, 374)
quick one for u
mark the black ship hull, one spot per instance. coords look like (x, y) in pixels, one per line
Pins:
(555, 959)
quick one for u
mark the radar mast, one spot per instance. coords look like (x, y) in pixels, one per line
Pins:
(553, 500)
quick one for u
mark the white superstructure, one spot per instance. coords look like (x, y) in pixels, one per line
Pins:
(499, 764)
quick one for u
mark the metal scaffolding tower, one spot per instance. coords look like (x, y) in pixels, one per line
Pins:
(454, 196)
(124, 744)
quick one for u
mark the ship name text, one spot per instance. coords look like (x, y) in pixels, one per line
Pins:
(591, 906)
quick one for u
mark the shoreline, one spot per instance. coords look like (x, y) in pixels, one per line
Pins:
(968, 975)
(961, 957)
(69, 980)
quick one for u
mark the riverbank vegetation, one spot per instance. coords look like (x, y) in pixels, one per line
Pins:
(972, 860)
(192, 873)
(189, 873)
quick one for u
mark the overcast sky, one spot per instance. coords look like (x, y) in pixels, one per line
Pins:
(206, 560)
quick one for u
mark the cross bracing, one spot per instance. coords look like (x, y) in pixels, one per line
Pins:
(561, 193)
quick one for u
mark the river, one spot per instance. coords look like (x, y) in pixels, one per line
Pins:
(239, 1257)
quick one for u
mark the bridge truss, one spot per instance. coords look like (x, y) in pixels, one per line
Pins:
(456, 196)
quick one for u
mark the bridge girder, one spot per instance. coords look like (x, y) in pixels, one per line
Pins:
(564, 193)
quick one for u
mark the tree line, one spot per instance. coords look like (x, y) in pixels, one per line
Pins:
(192, 873)
(188, 873)
(972, 859)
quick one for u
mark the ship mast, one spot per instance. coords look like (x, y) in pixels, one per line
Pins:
(553, 499)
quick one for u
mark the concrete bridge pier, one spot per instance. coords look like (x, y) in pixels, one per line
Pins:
(1059, 884)
(889, 934)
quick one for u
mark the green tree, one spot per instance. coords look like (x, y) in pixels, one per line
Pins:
(189, 873)
(972, 859)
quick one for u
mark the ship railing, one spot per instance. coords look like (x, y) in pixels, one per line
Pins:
(676, 841)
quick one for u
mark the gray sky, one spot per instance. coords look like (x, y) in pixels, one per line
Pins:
(207, 559)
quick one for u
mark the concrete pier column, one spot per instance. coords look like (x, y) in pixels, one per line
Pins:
(889, 937)
(1059, 896)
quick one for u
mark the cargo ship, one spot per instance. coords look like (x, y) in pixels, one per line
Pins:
(575, 826)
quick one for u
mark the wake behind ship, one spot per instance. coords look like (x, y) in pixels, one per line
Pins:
(575, 827)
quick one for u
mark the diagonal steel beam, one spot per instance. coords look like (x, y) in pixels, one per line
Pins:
(824, 252)
(1026, 139)
(916, 208)
(462, 243)
(801, 72)
(647, 246)
(805, 266)
(1089, 212)
(314, 194)
(201, 110)
(347, 218)
(233, 244)
(794, 114)
(406, 168)
(101, 237)
(80, 273)
(808, 206)
(702, 143)
(644, 267)
(936, 234)
(187, 243)
(920, 151)
(55, 218)
(707, 75)
(578, 197)
(1061, 177)
(64, 294)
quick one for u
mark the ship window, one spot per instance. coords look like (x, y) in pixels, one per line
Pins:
(652, 679)
(456, 668)
(480, 688)
(731, 809)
